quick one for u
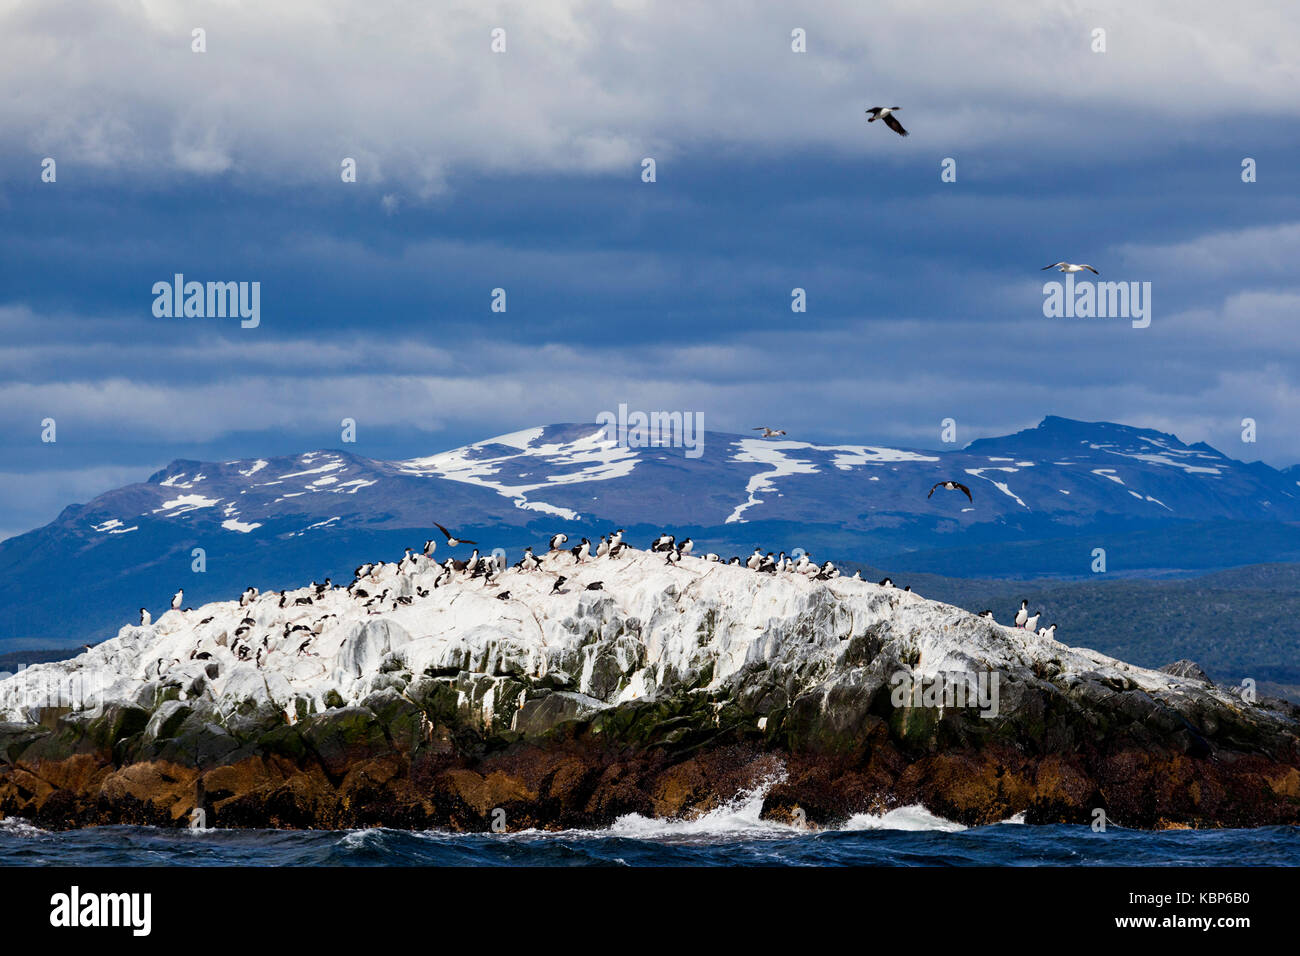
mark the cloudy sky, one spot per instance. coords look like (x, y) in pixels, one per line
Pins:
(522, 169)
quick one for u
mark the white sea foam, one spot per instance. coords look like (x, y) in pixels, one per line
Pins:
(17, 826)
(914, 817)
(736, 819)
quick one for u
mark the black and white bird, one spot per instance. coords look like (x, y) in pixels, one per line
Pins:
(529, 562)
(557, 541)
(470, 564)
(616, 539)
(673, 556)
(596, 586)
(987, 615)
(602, 549)
(685, 547)
(503, 596)
(177, 598)
(952, 486)
(1023, 614)
(769, 432)
(886, 583)
(1070, 267)
(452, 540)
(1048, 632)
(755, 559)
(559, 582)
(1032, 623)
(663, 543)
(886, 113)
(145, 617)
(582, 552)
(249, 595)
(430, 546)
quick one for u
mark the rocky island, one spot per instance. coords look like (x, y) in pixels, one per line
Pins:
(423, 698)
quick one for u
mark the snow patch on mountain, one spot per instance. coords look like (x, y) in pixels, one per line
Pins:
(234, 524)
(331, 466)
(762, 451)
(1002, 486)
(593, 457)
(185, 504)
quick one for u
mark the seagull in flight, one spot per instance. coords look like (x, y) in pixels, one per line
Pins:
(768, 432)
(1070, 267)
(886, 113)
(952, 486)
(452, 541)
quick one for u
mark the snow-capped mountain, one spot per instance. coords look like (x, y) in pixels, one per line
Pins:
(272, 522)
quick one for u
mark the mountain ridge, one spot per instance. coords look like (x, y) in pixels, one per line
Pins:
(1043, 499)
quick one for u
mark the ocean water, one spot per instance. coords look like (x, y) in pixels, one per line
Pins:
(730, 836)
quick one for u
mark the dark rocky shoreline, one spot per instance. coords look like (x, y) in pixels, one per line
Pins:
(414, 760)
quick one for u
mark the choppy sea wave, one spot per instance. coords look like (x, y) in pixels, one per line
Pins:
(729, 836)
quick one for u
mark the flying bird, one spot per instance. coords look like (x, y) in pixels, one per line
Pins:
(1070, 267)
(452, 541)
(768, 432)
(886, 113)
(952, 486)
